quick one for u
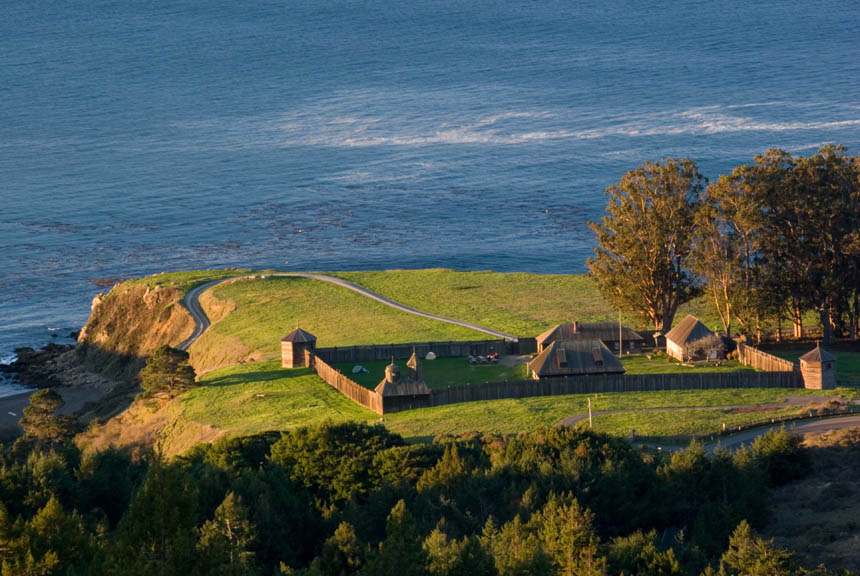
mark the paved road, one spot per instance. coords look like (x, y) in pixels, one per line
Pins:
(811, 426)
(201, 321)
(746, 437)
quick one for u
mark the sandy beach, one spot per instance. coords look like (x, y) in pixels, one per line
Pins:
(12, 407)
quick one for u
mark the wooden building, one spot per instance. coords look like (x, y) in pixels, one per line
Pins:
(625, 340)
(818, 368)
(679, 339)
(575, 358)
(293, 347)
(396, 384)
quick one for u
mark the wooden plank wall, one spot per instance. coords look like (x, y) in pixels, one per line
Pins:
(749, 356)
(346, 386)
(402, 351)
(529, 388)
(612, 383)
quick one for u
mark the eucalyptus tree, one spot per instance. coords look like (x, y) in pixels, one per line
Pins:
(726, 249)
(641, 261)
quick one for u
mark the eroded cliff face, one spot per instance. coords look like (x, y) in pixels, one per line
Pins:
(128, 323)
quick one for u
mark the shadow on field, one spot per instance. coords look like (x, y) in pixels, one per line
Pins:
(255, 377)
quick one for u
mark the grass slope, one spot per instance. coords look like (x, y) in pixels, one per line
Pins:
(263, 310)
(256, 397)
(518, 303)
(185, 281)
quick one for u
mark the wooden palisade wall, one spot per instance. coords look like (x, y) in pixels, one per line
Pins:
(749, 356)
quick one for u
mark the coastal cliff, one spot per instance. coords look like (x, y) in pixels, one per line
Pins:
(128, 323)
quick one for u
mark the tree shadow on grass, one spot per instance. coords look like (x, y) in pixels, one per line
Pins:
(255, 377)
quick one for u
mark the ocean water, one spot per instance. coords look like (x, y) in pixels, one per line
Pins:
(140, 137)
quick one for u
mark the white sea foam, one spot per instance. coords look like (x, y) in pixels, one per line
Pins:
(333, 125)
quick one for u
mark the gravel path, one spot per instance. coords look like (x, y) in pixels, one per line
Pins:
(201, 321)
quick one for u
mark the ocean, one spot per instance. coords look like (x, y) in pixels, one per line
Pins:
(140, 137)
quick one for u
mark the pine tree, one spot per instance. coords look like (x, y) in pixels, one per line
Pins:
(225, 540)
(167, 371)
(400, 554)
(156, 535)
(343, 553)
(749, 555)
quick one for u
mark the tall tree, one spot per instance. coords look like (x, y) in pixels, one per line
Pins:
(826, 187)
(156, 536)
(749, 555)
(641, 259)
(225, 541)
(726, 249)
(167, 371)
(401, 553)
(42, 423)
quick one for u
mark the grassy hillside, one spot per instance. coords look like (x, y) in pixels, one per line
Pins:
(250, 316)
(518, 303)
(263, 310)
(256, 397)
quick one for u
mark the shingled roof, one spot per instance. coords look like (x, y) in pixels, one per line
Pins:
(402, 387)
(817, 354)
(576, 357)
(298, 336)
(605, 331)
(688, 331)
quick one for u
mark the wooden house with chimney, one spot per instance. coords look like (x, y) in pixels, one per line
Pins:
(618, 338)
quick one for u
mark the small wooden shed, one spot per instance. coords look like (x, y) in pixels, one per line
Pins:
(293, 347)
(687, 331)
(818, 368)
(575, 358)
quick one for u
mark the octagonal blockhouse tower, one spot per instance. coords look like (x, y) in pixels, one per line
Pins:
(293, 347)
(818, 368)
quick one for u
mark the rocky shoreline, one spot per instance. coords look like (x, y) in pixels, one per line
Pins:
(54, 365)
(37, 368)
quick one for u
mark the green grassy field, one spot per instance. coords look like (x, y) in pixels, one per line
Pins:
(255, 397)
(669, 424)
(185, 281)
(517, 303)
(439, 373)
(263, 310)
(445, 372)
(662, 364)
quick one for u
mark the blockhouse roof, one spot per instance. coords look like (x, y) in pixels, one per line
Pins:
(818, 354)
(299, 336)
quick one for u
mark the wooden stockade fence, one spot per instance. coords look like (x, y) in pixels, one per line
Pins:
(611, 383)
(749, 356)
(346, 386)
(402, 351)
(548, 386)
